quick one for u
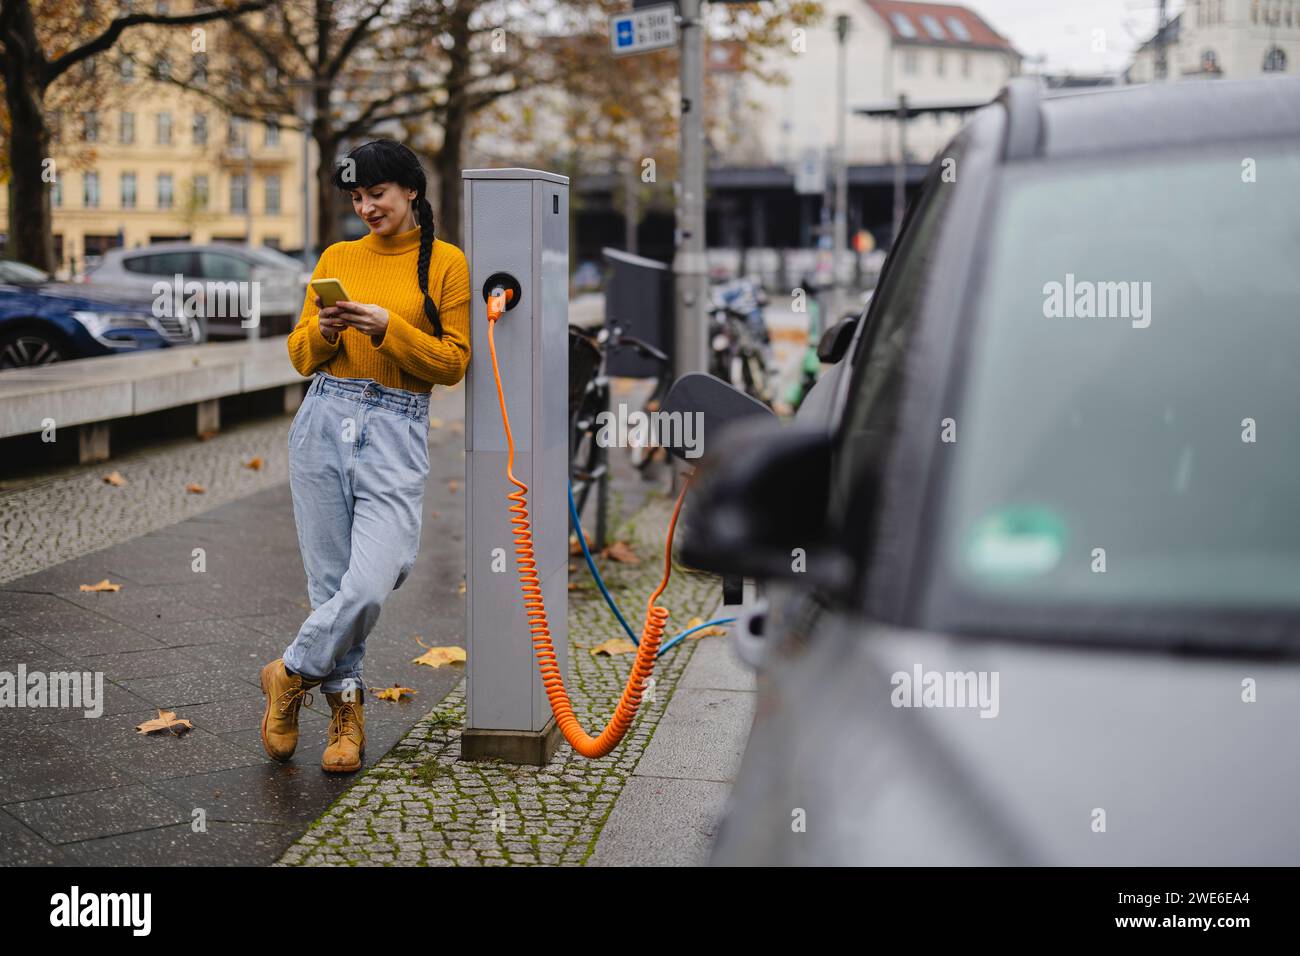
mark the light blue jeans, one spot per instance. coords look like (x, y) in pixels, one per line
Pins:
(358, 461)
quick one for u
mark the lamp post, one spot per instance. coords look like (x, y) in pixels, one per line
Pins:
(841, 167)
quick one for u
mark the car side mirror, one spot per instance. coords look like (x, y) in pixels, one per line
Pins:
(835, 341)
(758, 507)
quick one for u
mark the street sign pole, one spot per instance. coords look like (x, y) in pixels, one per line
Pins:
(689, 265)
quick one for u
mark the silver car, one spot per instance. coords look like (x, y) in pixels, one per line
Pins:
(236, 291)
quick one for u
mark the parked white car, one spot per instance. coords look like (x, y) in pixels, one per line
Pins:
(273, 282)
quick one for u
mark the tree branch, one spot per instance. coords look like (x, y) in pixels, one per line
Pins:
(354, 38)
(52, 70)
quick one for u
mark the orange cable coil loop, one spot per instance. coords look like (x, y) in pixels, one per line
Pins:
(656, 617)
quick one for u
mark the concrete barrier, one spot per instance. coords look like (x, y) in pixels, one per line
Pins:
(92, 392)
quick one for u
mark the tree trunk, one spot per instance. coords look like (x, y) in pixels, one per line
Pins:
(448, 213)
(456, 118)
(328, 200)
(31, 237)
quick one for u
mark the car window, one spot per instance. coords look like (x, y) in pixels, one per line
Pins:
(159, 263)
(1128, 421)
(19, 273)
(869, 423)
(275, 258)
(218, 265)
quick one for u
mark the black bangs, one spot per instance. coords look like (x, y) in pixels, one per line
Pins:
(370, 164)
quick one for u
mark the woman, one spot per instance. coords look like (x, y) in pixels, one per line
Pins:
(359, 444)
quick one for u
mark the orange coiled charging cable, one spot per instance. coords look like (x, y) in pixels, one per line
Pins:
(651, 633)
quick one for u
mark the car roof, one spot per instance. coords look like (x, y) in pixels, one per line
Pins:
(1149, 116)
(180, 246)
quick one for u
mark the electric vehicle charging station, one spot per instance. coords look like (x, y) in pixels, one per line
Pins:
(516, 229)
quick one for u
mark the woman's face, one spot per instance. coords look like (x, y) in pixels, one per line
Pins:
(385, 207)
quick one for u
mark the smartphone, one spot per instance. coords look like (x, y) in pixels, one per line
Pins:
(331, 291)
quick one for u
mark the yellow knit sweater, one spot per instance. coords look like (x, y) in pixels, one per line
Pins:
(381, 270)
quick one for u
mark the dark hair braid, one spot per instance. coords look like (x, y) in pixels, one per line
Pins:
(386, 160)
(424, 213)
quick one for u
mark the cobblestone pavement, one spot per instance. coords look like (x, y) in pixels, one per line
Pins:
(422, 805)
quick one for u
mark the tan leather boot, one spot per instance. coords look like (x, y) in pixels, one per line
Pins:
(284, 696)
(347, 734)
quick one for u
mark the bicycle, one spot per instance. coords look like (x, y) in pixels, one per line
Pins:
(589, 397)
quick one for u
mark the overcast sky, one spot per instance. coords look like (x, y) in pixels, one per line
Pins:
(1062, 30)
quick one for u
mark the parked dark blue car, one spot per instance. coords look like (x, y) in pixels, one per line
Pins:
(43, 321)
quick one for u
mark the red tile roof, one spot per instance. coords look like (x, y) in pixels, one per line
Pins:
(979, 33)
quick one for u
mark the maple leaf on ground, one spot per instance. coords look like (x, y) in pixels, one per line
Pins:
(620, 551)
(114, 478)
(207, 435)
(575, 546)
(394, 693)
(195, 488)
(166, 720)
(615, 645)
(254, 463)
(438, 656)
(104, 585)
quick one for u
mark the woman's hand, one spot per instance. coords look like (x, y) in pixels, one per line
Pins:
(331, 321)
(370, 319)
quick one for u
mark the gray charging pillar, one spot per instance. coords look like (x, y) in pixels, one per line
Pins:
(517, 227)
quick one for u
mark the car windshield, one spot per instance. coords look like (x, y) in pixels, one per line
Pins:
(19, 273)
(274, 258)
(1128, 433)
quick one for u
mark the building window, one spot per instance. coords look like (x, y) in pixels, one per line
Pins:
(239, 193)
(1275, 60)
(164, 129)
(126, 68)
(234, 131)
(1209, 62)
(88, 68)
(938, 63)
(965, 64)
(903, 25)
(126, 129)
(164, 190)
(56, 193)
(56, 126)
(958, 29)
(200, 75)
(128, 190)
(200, 129)
(909, 62)
(932, 27)
(162, 67)
(201, 192)
(272, 137)
(1254, 11)
(90, 126)
(272, 195)
(90, 190)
